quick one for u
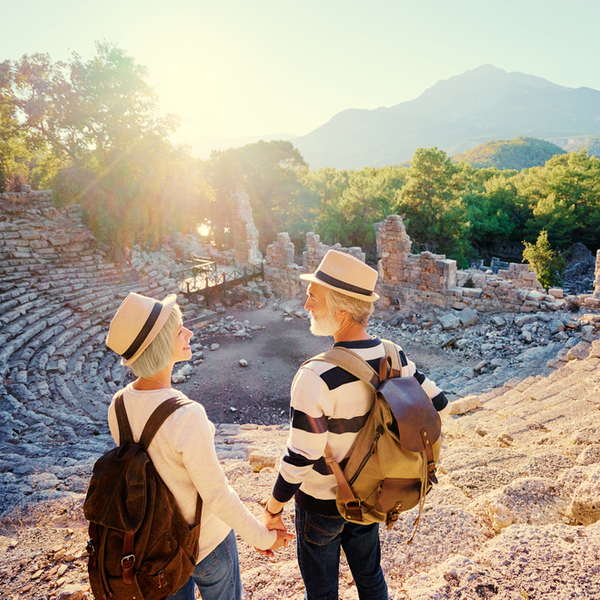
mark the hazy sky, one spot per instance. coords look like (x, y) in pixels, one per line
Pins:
(234, 68)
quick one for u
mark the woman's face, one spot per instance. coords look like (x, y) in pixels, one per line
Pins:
(181, 344)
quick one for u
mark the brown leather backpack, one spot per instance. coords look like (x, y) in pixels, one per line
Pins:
(140, 547)
(391, 465)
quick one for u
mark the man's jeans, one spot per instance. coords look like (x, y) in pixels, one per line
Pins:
(319, 539)
(216, 575)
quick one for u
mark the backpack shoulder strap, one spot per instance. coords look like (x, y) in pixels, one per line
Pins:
(391, 351)
(351, 362)
(125, 434)
(154, 423)
(158, 417)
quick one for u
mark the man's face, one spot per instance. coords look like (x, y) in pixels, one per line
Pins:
(322, 322)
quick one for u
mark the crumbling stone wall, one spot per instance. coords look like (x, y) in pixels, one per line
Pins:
(280, 269)
(245, 233)
(316, 250)
(416, 280)
(283, 273)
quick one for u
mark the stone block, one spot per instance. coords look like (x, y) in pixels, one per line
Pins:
(472, 292)
(536, 296)
(449, 321)
(556, 293)
(459, 305)
(585, 506)
(59, 239)
(468, 317)
(465, 405)
(579, 352)
(260, 460)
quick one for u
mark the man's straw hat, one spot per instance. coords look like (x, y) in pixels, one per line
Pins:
(345, 274)
(137, 322)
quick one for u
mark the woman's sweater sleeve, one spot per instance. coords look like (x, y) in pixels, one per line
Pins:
(193, 438)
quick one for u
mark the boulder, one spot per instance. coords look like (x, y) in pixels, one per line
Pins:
(468, 316)
(449, 321)
(580, 351)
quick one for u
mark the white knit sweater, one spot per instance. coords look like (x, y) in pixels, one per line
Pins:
(183, 453)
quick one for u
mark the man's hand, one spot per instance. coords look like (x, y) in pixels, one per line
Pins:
(283, 538)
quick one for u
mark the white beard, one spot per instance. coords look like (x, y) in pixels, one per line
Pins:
(324, 327)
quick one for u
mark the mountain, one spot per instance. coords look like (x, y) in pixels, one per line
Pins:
(590, 144)
(518, 153)
(455, 115)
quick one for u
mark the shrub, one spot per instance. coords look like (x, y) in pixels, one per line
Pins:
(545, 262)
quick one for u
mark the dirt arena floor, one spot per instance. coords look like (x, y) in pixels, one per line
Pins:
(259, 393)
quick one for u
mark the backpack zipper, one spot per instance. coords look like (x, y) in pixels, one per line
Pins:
(366, 458)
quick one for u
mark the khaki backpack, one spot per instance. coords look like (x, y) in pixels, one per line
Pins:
(391, 465)
(140, 547)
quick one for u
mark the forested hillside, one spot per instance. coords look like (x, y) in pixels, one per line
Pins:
(518, 153)
(91, 131)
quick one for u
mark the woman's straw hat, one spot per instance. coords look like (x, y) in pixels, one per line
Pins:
(137, 322)
(347, 275)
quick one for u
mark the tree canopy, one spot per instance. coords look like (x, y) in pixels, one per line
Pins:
(269, 172)
(104, 145)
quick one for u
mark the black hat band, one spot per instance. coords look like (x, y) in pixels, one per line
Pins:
(144, 331)
(342, 284)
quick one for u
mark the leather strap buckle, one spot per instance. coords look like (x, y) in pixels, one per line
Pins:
(130, 559)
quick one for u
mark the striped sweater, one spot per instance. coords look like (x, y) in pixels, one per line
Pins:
(330, 406)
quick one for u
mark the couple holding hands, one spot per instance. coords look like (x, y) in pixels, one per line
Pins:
(328, 406)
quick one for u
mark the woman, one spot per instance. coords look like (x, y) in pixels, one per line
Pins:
(150, 337)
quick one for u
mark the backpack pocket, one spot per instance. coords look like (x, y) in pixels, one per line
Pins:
(397, 495)
(166, 573)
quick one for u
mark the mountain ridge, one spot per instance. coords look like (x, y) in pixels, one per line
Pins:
(454, 115)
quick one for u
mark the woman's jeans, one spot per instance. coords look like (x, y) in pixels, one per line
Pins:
(319, 539)
(216, 575)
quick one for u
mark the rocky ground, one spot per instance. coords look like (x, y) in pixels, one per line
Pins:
(515, 514)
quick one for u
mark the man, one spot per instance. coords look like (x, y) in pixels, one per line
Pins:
(329, 406)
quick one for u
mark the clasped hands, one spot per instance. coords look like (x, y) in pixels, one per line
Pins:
(272, 521)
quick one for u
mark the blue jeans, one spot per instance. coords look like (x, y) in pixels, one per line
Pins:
(216, 575)
(319, 539)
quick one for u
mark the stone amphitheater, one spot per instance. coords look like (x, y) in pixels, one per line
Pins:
(516, 513)
(58, 292)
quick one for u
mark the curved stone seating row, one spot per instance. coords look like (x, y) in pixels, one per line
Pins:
(56, 374)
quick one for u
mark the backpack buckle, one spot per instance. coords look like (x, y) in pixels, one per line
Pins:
(353, 510)
(130, 559)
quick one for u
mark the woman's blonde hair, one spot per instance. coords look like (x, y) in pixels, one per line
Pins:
(359, 310)
(158, 354)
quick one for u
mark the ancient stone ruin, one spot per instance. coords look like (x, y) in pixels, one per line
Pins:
(245, 233)
(417, 281)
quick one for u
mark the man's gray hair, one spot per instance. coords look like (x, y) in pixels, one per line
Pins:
(359, 310)
(158, 354)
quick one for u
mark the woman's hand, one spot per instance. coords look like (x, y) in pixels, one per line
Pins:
(283, 538)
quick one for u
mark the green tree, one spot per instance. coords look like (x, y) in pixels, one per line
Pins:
(368, 199)
(545, 262)
(431, 203)
(109, 145)
(271, 174)
(14, 153)
(564, 196)
(492, 212)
